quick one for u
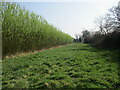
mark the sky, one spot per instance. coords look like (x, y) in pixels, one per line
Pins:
(70, 17)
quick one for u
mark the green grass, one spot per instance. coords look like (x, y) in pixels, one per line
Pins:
(70, 66)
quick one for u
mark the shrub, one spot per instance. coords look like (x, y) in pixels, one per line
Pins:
(110, 40)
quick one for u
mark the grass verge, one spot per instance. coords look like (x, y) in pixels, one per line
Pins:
(70, 66)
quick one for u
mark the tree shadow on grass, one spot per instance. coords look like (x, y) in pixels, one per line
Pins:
(114, 54)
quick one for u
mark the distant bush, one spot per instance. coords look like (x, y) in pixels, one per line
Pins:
(88, 39)
(87, 36)
(23, 31)
(110, 40)
(97, 39)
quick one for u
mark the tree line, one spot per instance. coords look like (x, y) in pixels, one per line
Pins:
(24, 31)
(108, 34)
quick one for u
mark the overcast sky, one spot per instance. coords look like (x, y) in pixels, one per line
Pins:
(70, 17)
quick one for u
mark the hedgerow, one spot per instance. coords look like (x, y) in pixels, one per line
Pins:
(24, 31)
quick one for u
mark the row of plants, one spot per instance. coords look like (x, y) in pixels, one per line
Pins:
(24, 31)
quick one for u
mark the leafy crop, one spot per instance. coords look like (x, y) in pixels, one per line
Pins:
(70, 66)
(23, 31)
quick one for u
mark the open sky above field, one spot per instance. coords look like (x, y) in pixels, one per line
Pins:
(68, 16)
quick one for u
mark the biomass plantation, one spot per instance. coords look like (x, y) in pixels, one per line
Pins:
(69, 66)
(24, 31)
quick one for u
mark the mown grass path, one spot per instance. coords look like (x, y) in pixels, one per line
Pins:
(70, 66)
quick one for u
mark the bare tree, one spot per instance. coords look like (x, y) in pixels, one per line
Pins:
(100, 22)
(78, 37)
(113, 18)
(110, 22)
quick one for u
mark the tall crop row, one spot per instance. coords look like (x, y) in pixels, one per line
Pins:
(23, 31)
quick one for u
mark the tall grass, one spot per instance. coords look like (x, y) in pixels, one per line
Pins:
(23, 31)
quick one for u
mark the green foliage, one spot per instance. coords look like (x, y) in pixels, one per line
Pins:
(70, 66)
(23, 31)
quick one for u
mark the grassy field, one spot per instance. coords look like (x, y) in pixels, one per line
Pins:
(70, 66)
